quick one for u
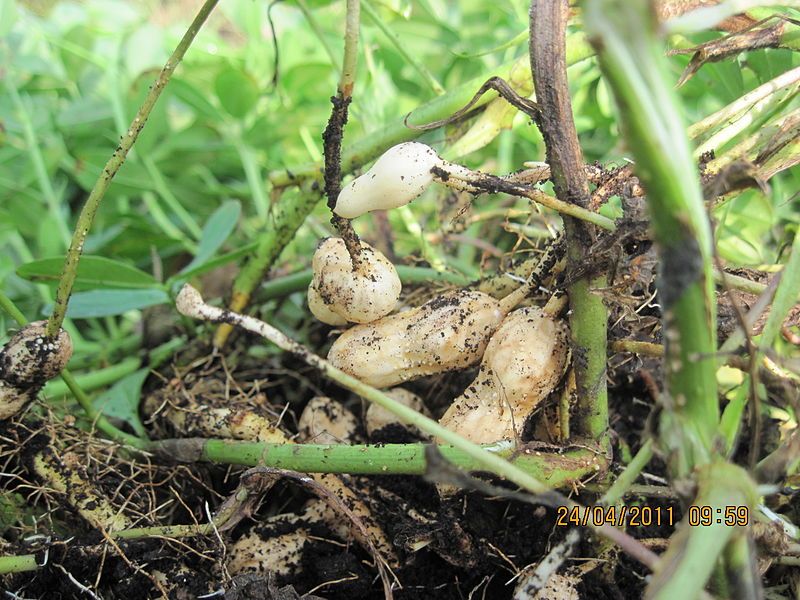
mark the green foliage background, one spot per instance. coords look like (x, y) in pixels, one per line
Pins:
(74, 75)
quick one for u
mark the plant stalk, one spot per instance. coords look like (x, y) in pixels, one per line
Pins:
(634, 66)
(691, 557)
(286, 217)
(18, 564)
(556, 470)
(588, 315)
(89, 210)
(334, 131)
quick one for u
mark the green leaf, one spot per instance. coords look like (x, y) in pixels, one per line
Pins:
(93, 271)
(106, 303)
(49, 240)
(307, 81)
(13, 509)
(145, 50)
(213, 263)
(732, 415)
(8, 16)
(237, 91)
(216, 230)
(193, 98)
(121, 401)
(87, 112)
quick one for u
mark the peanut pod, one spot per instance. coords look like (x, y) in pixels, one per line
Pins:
(523, 363)
(340, 292)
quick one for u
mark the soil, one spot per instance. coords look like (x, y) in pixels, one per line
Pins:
(455, 546)
(447, 544)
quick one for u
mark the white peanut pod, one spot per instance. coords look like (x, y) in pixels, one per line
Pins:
(321, 310)
(338, 293)
(27, 362)
(401, 174)
(447, 333)
(277, 545)
(324, 421)
(524, 361)
(377, 417)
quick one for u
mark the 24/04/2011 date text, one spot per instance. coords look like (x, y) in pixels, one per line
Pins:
(616, 516)
(645, 516)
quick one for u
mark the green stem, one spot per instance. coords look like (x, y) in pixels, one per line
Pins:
(350, 60)
(97, 417)
(253, 174)
(635, 68)
(626, 479)
(287, 216)
(753, 119)
(333, 135)
(736, 282)
(419, 67)
(102, 377)
(96, 379)
(692, 555)
(783, 129)
(588, 315)
(108, 352)
(785, 296)
(162, 187)
(8, 305)
(167, 531)
(163, 221)
(553, 469)
(474, 182)
(429, 253)
(18, 564)
(86, 218)
(27, 562)
(744, 103)
(742, 568)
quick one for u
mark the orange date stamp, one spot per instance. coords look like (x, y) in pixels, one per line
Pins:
(616, 516)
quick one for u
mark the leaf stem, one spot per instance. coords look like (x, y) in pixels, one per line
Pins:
(626, 479)
(18, 564)
(86, 217)
(554, 469)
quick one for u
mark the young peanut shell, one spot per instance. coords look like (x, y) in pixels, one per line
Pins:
(338, 293)
(447, 333)
(27, 362)
(401, 174)
(524, 361)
